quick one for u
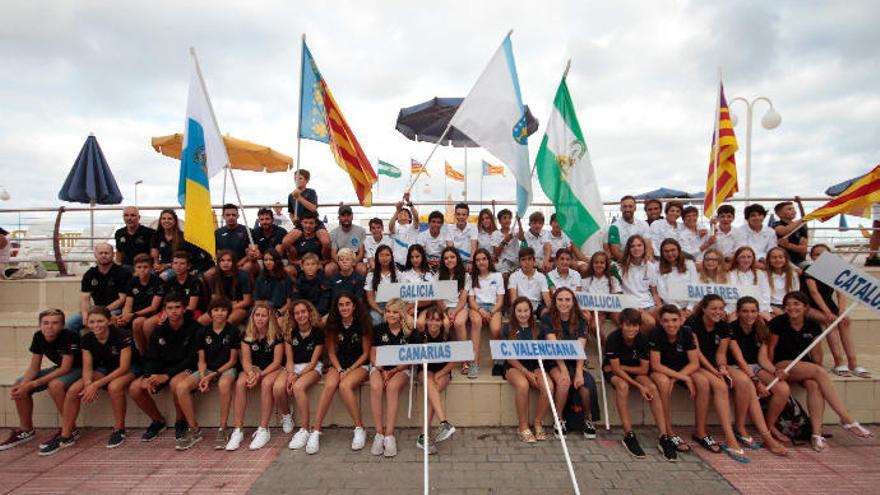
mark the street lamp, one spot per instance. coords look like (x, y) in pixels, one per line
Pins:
(4, 194)
(136, 184)
(769, 121)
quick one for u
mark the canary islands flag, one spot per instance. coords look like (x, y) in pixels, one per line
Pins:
(203, 155)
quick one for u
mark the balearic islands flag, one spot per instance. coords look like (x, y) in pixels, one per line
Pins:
(566, 174)
(203, 155)
(494, 117)
(859, 196)
(721, 185)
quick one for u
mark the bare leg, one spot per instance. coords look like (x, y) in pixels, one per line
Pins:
(377, 389)
(664, 387)
(301, 394)
(701, 403)
(240, 400)
(392, 399)
(348, 389)
(621, 398)
(72, 404)
(331, 382)
(521, 397)
(144, 400)
(563, 385)
(183, 391)
(116, 389)
(656, 404)
(543, 404)
(266, 398)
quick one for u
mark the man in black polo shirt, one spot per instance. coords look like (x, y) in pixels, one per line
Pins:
(796, 243)
(102, 285)
(234, 237)
(133, 239)
(267, 235)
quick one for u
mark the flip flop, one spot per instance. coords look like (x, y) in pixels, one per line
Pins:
(856, 429)
(861, 372)
(749, 441)
(842, 371)
(738, 455)
(818, 442)
(707, 443)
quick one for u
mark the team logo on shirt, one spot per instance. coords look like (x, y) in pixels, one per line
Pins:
(679, 348)
(135, 291)
(225, 340)
(161, 340)
(255, 347)
(162, 244)
(122, 239)
(94, 282)
(385, 337)
(294, 342)
(208, 340)
(114, 350)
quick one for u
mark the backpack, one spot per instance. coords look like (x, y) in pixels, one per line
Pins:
(794, 421)
(573, 413)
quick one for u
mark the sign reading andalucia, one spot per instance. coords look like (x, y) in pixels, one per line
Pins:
(696, 292)
(614, 303)
(438, 352)
(536, 349)
(844, 277)
(418, 291)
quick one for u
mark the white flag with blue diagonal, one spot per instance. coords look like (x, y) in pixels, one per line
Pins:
(494, 117)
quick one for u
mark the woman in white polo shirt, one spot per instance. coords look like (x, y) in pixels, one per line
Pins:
(675, 269)
(639, 279)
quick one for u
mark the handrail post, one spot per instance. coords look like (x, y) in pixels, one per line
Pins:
(56, 244)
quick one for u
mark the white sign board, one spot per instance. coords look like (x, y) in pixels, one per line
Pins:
(439, 352)
(844, 277)
(695, 292)
(536, 349)
(614, 303)
(419, 291)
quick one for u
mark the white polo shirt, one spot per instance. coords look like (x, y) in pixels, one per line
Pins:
(691, 241)
(661, 230)
(510, 252)
(761, 241)
(490, 288)
(453, 303)
(601, 285)
(557, 243)
(745, 279)
(620, 231)
(725, 242)
(572, 280)
(415, 277)
(433, 245)
(638, 280)
(403, 236)
(371, 245)
(461, 238)
(530, 287)
(488, 241)
(665, 282)
(777, 287)
(537, 242)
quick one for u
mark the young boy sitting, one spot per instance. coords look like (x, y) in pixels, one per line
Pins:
(377, 238)
(310, 284)
(347, 279)
(529, 282)
(61, 347)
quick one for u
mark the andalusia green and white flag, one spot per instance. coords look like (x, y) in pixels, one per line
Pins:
(388, 169)
(566, 174)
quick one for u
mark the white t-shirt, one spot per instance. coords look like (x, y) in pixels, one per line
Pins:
(777, 289)
(760, 242)
(433, 245)
(488, 241)
(490, 287)
(638, 280)
(403, 236)
(665, 281)
(746, 279)
(386, 279)
(453, 303)
(601, 285)
(525, 286)
(511, 250)
(660, 230)
(371, 245)
(461, 238)
(725, 242)
(537, 243)
(572, 280)
(620, 231)
(557, 243)
(413, 276)
(691, 241)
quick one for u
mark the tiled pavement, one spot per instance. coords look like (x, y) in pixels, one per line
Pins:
(474, 461)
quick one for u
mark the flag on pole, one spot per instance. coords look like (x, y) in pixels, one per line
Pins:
(454, 174)
(203, 155)
(345, 147)
(566, 173)
(726, 185)
(862, 194)
(489, 169)
(416, 168)
(494, 117)
(388, 169)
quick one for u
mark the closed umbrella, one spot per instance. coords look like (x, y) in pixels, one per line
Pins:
(91, 181)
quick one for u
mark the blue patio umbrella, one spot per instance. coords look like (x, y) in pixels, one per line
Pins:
(665, 192)
(90, 180)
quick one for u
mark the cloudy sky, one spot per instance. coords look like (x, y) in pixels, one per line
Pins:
(643, 78)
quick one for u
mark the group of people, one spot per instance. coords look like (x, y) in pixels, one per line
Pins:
(280, 310)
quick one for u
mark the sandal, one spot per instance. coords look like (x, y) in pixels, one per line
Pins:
(738, 455)
(748, 441)
(856, 429)
(842, 371)
(526, 436)
(540, 434)
(707, 443)
(818, 442)
(861, 372)
(680, 444)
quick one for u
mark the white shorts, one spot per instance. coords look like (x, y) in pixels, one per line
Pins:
(407, 371)
(298, 368)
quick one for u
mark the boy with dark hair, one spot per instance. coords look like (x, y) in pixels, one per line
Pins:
(184, 284)
(653, 210)
(791, 234)
(311, 285)
(377, 238)
(722, 236)
(539, 240)
(300, 201)
(142, 296)
(461, 234)
(529, 282)
(404, 229)
(507, 252)
(61, 347)
(434, 239)
(755, 234)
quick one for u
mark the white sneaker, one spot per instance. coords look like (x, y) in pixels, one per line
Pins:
(299, 440)
(287, 423)
(314, 442)
(390, 446)
(261, 438)
(378, 444)
(235, 440)
(360, 438)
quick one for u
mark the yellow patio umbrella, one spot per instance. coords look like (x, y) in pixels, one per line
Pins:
(244, 155)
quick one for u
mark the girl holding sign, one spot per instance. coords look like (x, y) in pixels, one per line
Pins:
(746, 272)
(452, 268)
(385, 272)
(790, 334)
(639, 279)
(486, 300)
(599, 280)
(523, 374)
(437, 378)
(782, 276)
(303, 349)
(675, 269)
(415, 271)
(386, 382)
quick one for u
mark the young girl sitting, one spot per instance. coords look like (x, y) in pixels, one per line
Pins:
(452, 268)
(674, 269)
(600, 280)
(714, 268)
(639, 279)
(745, 272)
(437, 378)
(303, 349)
(782, 277)
(384, 273)
(523, 375)
(486, 300)
(386, 382)
(261, 355)
(232, 283)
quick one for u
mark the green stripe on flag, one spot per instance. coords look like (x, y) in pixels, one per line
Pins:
(388, 169)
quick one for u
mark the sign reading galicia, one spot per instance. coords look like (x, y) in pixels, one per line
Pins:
(614, 303)
(419, 291)
(440, 352)
(536, 349)
(843, 277)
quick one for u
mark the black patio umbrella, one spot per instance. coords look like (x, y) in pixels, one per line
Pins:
(665, 192)
(90, 180)
(836, 189)
(427, 121)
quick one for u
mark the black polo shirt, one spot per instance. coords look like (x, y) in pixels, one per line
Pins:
(349, 344)
(567, 333)
(107, 355)
(308, 245)
(709, 341)
(748, 343)
(191, 287)
(131, 245)
(217, 347)
(304, 347)
(792, 342)
(143, 294)
(629, 355)
(352, 284)
(235, 239)
(382, 336)
(234, 286)
(266, 242)
(672, 354)
(165, 246)
(105, 287)
(262, 351)
(795, 238)
(66, 342)
(425, 338)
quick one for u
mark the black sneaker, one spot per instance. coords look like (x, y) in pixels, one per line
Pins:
(75, 434)
(153, 431)
(631, 444)
(56, 444)
(116, 439)
(18, 437)
(667, 448)
(556, 432)
(190, 437)
(51, 439)
(589, 429)
(180, 428)
(498, 369)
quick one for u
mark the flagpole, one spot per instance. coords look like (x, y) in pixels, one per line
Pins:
(465, 174)
(299, 120)
(564, 75)
(717, 147)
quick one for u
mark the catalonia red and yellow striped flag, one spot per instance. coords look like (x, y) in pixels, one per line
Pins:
(416, 168)
(454, 174)
(726, 185)
(859, 196)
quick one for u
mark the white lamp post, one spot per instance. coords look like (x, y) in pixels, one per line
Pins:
(769, 121)
(136, 184)
(4, 194)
